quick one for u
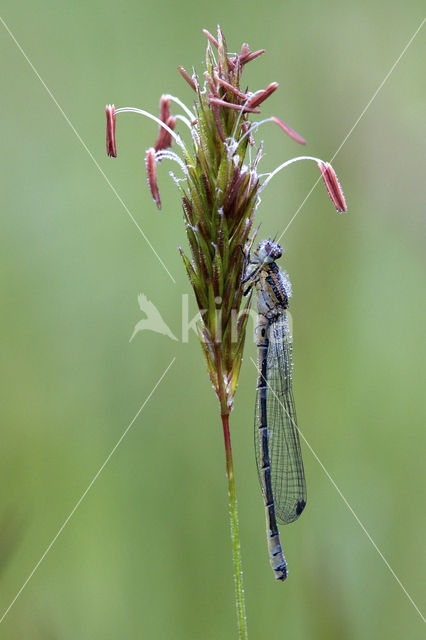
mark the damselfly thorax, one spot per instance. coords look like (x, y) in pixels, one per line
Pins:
(278, 454)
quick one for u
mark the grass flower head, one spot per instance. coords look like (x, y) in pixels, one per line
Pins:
(217, 176)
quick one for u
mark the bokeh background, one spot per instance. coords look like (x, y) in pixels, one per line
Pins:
(147, 554)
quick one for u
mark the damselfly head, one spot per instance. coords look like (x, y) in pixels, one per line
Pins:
(268, 251)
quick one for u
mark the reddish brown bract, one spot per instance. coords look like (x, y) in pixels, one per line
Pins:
(260, 97)
(164, 139)
(230, 87)
(231, 105)
(164, 108)
(291, 132)
(151, 172)
(248, 57)
(211, 38)
(110, 131)
(332, 185)
(187, 77)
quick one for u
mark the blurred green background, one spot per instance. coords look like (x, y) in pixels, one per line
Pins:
(148, 554)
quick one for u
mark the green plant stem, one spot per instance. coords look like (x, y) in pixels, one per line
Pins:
(235, 533)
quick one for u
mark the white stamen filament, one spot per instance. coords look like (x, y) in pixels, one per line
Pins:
(253, 128)
(176, 180)
(182, 106)
(157, 120)
(171, 155)
(286, 164)
(184, 120)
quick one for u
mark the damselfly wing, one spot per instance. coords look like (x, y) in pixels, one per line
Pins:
(285, 456)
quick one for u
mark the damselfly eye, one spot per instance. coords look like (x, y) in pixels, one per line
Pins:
(276, 251)
(273, 250)
(268, 251)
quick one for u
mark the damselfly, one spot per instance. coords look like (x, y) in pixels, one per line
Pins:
(278, 454)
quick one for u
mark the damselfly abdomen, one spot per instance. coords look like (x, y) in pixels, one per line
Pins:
(278, 453)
